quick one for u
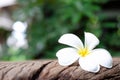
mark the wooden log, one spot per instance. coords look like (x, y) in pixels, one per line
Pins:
(51, 70)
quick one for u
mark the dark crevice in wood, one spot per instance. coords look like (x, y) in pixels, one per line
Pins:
(57, 77)
(36, 75)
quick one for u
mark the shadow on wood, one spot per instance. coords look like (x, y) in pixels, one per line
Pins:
(51, 70)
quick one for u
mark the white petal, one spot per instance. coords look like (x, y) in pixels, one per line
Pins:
(67, 56)
(103, 57)
(89, 64)
(90, 40)
(71, 40)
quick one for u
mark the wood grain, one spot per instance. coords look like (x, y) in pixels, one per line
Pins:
(51, 70)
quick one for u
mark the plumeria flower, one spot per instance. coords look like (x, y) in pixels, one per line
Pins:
(89, 58)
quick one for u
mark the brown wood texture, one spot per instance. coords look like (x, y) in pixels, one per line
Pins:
(51, 70)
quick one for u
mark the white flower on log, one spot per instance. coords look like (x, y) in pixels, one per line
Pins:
(89, 58)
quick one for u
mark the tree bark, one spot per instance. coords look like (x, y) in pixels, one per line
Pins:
(51, 70)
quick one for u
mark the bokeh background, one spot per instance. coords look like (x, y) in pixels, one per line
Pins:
(30, 29)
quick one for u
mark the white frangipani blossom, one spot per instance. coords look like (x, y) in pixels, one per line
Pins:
(89, 58)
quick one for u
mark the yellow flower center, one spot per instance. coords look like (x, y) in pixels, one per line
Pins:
(83, 52)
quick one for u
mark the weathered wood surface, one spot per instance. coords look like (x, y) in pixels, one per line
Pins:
(51, 70)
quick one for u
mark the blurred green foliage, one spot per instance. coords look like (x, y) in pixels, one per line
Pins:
(49, 19)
